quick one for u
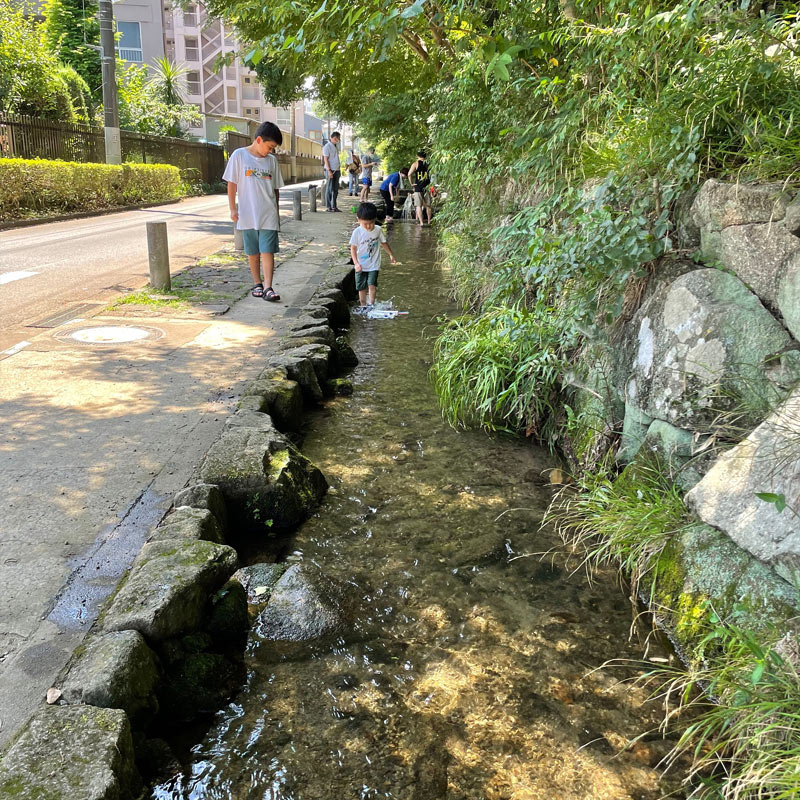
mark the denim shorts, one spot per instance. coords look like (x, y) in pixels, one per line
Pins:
(259, 241)
(366, 278)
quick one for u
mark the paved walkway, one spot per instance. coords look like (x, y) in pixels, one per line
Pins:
(98, 436)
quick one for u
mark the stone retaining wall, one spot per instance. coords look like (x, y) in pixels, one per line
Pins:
(704, 379)
(168, 643)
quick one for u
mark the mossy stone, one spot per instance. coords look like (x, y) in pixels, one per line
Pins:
(228, 621)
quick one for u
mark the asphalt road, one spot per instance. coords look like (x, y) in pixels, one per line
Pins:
(47, 268)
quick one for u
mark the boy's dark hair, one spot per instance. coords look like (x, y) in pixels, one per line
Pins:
(404, 171)
(422, 154)
(367, 211)
(269, 132)
(336, 133)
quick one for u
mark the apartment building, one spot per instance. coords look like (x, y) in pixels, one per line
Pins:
(224, 90)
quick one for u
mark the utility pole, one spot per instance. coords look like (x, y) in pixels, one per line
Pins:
(108, 60)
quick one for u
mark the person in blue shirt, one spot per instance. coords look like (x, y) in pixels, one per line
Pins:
(389, 190)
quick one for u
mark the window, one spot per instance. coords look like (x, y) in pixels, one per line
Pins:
(316, 135)
(284, 118)
(193, 82)
(192, 52)
(252, 112)
(130, 42)
(250, 92)
(190, 16)
(247, 80)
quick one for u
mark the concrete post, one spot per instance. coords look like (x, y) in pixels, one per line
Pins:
(312, 198)
(238, 239)
(298, 209)
(158, 252)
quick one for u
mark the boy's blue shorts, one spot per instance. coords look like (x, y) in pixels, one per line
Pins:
(258, 241)
(366, 181)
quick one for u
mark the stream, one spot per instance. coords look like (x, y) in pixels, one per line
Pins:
(475, 676)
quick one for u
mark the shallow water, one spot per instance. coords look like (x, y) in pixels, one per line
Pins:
(473, 674)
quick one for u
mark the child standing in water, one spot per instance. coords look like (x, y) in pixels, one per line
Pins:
(254, 173)
(365, 248)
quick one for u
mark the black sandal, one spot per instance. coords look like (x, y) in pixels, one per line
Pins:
(257, 290)
(271, 295)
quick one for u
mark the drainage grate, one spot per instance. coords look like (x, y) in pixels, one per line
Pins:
(64, 316)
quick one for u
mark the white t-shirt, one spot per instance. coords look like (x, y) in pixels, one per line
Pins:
(368, 247)
(330, 150)
(257, 180)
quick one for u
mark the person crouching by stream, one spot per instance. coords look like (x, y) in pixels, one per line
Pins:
(389, 189)
(365, 248)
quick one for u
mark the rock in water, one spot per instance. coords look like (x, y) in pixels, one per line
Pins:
(305, 605)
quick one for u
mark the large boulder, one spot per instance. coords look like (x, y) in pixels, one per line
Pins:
(702, 336)
(788, 294)
(305, 605)
(719, 205)
(767, 461)
(340, 310)
(115, 670)
(166, 591)
(71, 753)
(186, 522)
(274, 393)
(267, 483)
(756, 254)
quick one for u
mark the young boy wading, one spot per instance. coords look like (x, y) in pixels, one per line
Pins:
(365, 248)
(255, 174)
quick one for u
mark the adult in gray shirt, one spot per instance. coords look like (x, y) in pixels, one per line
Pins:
(330, 158)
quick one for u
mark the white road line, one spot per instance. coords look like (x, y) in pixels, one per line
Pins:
(15, 276)
(15, 349)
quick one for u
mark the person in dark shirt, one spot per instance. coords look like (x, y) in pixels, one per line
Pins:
(419, 175)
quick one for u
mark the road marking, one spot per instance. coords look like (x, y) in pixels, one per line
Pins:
(15, 349)
(15, 276)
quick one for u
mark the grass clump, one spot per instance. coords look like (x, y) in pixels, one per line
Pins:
(743, 702)
(496, 370)
(623, 521)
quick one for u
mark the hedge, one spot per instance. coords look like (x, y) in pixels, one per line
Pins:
(35, 187)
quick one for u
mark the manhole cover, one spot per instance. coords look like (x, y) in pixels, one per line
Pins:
(111, 334)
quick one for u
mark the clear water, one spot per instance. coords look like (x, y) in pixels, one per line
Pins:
(474, 674)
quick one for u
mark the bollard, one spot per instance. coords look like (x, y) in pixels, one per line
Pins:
(238, 239)
(298, 209)
(158, 253)
(312, 197)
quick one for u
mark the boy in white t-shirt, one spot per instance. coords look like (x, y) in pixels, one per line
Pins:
(365, 248)
(254, 172)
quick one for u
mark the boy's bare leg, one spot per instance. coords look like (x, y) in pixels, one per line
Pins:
(255, 268)
(268, 263)
(420, 218)
(373, 290)
(429, 213)
(362, 296)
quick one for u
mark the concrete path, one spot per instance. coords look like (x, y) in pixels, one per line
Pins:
(97, 436)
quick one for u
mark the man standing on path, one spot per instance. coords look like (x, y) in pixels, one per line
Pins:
(330, 157)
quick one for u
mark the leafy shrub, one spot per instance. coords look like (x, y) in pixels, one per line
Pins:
(36, 187)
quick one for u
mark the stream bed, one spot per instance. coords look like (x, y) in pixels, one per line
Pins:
(475, 675)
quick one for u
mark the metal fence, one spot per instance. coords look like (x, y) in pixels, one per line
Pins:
(30, 137)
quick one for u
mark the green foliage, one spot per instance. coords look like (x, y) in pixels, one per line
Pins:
(31, 81)
(745, 745)
(622, 521)
(496, 370)
(152, 103)
(71, 29)
(37, 187)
